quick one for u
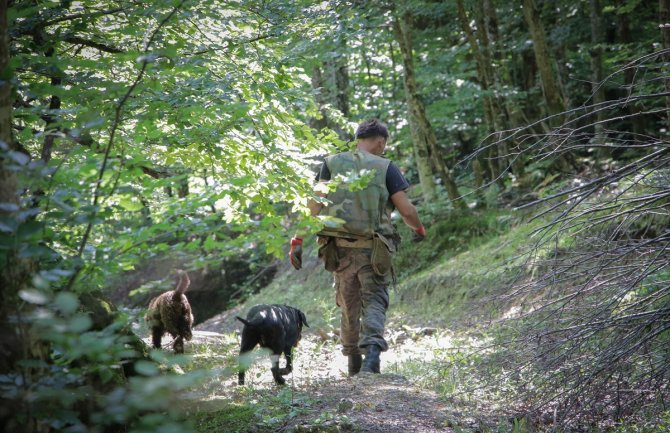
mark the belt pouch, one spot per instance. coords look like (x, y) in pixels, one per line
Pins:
(328, 253)
(382, 255)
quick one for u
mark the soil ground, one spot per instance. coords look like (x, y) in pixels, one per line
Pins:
(318, 396)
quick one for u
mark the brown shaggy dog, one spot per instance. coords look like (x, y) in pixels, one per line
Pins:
(171, 312)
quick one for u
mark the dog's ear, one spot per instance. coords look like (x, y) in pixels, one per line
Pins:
(303, 319)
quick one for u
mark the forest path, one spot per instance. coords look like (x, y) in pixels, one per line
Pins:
(318, 396)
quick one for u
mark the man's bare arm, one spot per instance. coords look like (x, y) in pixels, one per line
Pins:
(406, 209)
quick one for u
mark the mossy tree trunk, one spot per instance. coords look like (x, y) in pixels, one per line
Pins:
(485, 81)
(597, 72)
(15, 271)
(626, 38)
(423, 135)
(12, 276)
(664, 18)
(552, 92)
(330, 82)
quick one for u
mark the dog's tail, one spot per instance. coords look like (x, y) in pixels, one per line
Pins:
(182, 282)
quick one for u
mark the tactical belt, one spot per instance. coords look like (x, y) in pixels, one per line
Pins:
(353, 243)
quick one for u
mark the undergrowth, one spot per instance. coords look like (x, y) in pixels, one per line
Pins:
(259, 411)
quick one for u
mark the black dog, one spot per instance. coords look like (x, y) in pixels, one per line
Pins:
(275, 327)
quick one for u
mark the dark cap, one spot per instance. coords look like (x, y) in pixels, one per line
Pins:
(372, 128)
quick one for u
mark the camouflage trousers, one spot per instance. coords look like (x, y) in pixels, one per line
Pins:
(363, 299)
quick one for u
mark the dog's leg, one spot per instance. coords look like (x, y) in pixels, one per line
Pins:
(275, 369)
(289, 362)
(240, 376)
(178, 344)
(156, 335)
(249, 341)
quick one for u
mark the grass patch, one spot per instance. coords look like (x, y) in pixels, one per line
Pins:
(233, 418)
(448, 235)
(258, 411)
(457, 284)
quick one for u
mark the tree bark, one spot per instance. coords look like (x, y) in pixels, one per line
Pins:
(507, 116)
(484, 83)
(552, 92)
(10, 281)
(54, 102)
(394, 75)
(423, 135)
(421, 154)
(319, 98)
(330, 82)
(625, 37)
(368, 71)
(342, 73)
(597, 70)
(664, 18)
(15, 272)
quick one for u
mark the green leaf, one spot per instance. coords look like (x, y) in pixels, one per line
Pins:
(146, 368)
(80, 323)
(67, 302)
(33, 296)
(130, 203)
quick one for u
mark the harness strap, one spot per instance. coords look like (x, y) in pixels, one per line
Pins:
(357, 243)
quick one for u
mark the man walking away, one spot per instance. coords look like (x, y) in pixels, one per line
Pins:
(359, 251)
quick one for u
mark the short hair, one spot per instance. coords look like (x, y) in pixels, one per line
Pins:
(372, 128)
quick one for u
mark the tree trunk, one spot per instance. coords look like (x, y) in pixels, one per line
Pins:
(368, 71)
(484, 82)
(597, 72)
(44, 42)
(394, 75)
(330, 83)
(420, 147)
(508, 116)
(10, 281)
(182, 188)
(664, 18)
(342, 73)
(423, 135)
(552, 92)
(319, 97)
(15, 272)
(625, 37)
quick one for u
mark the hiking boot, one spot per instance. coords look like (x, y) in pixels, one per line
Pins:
(371, 363)
(354, 364)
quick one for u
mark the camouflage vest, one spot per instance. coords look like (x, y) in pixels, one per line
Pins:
(366, 211)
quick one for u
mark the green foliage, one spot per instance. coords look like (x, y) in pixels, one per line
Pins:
(83, 381)
(185, 130)
(204, 118)
(268, 412)
(232, 418)
(448, 234)
(662, 425)
(152, 128)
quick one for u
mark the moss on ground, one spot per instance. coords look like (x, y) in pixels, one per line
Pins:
(457, 286)
(232, 418)
(257, 411)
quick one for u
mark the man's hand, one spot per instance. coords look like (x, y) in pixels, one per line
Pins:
(295, 254)
(419, 234)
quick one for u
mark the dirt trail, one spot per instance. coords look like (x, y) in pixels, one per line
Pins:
(323, 399)
(385, 403)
